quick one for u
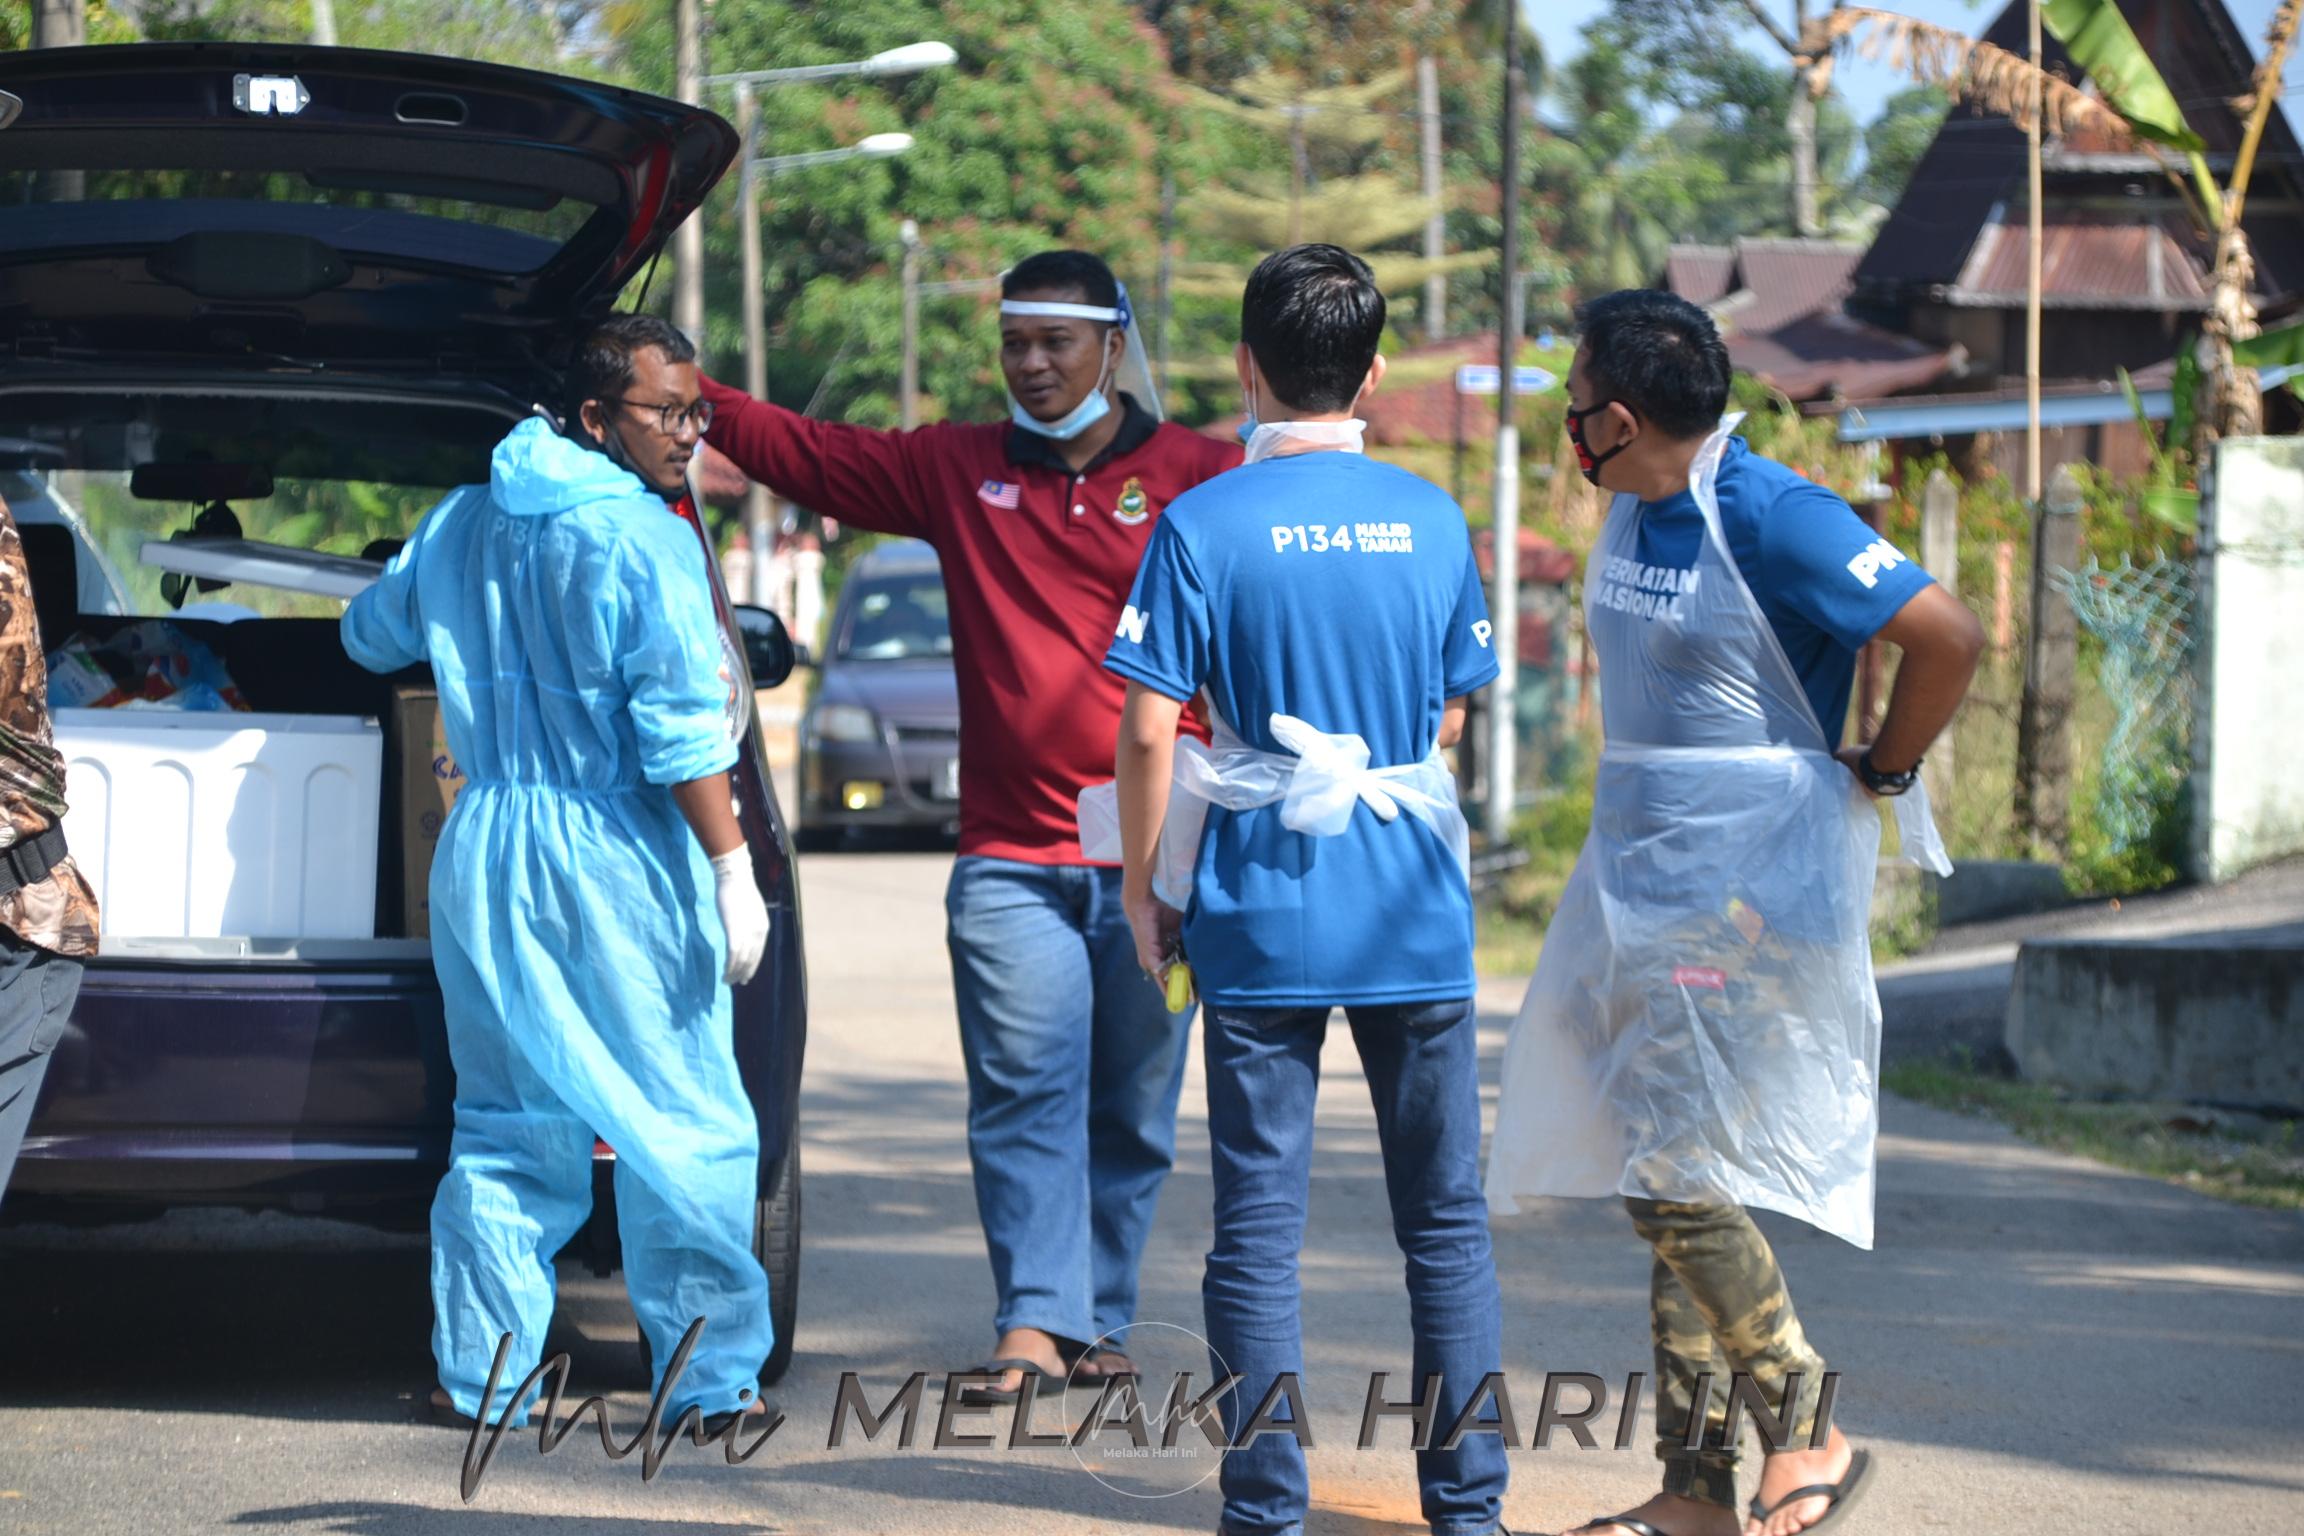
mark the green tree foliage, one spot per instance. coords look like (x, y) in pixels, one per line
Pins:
(105, 25)
(1896, 139)
(1054, 129)
(1614, 189)
(523, 32)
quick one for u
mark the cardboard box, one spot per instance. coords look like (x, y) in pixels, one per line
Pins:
(429, 783)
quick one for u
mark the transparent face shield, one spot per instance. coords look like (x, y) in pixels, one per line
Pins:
(1133, 372)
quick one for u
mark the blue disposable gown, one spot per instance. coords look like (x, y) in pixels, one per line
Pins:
(571, 630)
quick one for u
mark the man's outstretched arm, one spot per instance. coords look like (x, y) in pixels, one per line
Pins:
(880, 481)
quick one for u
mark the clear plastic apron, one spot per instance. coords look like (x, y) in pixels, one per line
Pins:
(1703, 1024)
(1316, 783)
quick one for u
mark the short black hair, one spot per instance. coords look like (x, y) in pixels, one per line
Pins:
(1659, 354)
(1313, 318)
(603, 368)
(1064, 272)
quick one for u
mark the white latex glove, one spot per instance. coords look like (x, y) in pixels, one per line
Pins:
(742, 913)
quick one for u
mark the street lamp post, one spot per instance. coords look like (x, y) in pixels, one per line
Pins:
(758, 532)
(910, 59)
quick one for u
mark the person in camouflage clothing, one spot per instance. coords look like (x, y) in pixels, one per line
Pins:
(47, 911)
(1702, 1033)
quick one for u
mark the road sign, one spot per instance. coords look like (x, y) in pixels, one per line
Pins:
(1483, 378)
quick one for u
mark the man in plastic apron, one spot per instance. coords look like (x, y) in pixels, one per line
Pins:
(1702, 1034)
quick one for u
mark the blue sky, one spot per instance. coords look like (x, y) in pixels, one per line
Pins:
(1561, 23)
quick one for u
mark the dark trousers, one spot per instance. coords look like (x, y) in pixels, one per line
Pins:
(37, 990)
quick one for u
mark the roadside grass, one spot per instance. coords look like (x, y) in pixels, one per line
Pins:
(2247, 1159)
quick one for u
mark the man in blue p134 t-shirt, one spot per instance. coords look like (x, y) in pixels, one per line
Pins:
(1331, 608)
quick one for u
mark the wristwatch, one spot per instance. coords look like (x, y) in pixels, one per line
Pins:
(1882, 783)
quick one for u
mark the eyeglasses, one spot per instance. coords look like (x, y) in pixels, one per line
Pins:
(671, 417)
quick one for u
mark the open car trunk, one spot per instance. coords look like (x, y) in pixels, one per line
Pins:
(292, 832)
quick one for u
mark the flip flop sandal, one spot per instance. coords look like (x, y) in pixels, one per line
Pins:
(1097, 1378)
(1632, 1523)
(1842, 1495)
(1004, 1397)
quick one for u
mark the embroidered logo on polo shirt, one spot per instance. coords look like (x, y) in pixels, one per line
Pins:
(1134, 506)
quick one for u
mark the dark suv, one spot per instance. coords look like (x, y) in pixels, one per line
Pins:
(880, 745)
(297, 293)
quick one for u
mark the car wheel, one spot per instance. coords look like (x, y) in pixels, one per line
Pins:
(776, 1243)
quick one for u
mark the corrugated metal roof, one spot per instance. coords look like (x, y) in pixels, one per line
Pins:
(1700, 274)
(2089, 259)
(1976, 162)
(1787, 280)
(1834, 355)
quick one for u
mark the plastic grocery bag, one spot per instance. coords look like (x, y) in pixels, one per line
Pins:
(1703, 1025)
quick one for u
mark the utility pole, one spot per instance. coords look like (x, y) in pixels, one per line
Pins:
(60, 24)
(909, 232)
(1299, 172)
(688, 249)
(324, 23)
(1435, 222)
(1504, 615)
(1940, 556)
(759, 528)
(2044, 719)
(1166, 298)
(2032, 282)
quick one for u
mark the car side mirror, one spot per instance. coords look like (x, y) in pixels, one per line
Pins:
(768, 647)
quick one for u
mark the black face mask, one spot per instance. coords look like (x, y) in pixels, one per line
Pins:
(609, 445)
(1586, 459)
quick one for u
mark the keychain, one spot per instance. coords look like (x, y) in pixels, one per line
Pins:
(1179, 985)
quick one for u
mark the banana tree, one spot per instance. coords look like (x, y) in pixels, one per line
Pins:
(2133, 104)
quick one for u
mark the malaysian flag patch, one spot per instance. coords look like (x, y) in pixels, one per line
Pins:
(999, 493)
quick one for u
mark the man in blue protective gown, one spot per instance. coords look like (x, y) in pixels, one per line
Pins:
(592, 897)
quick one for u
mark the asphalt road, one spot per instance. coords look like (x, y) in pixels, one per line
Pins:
(2037, 1344)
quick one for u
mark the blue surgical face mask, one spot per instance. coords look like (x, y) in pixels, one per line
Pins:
(1069, 425)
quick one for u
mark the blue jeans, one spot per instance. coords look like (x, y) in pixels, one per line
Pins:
(1074, 1067)
(1422, 1064)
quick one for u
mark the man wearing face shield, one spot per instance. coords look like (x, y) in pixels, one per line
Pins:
(1074, 1064)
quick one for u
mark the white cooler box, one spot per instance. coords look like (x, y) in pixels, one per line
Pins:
(201, 825)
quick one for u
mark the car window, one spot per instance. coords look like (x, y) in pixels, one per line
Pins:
(337, 517)
(452, 222)
(898, 619)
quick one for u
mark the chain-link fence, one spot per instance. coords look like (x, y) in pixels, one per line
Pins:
(2141, 617)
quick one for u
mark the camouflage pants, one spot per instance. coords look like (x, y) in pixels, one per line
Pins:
(1718, 1306)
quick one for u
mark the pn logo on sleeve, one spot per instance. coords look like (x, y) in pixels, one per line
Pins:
(1132, 623)
(1879, 556)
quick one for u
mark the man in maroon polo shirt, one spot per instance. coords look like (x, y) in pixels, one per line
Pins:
(1074, 1063)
